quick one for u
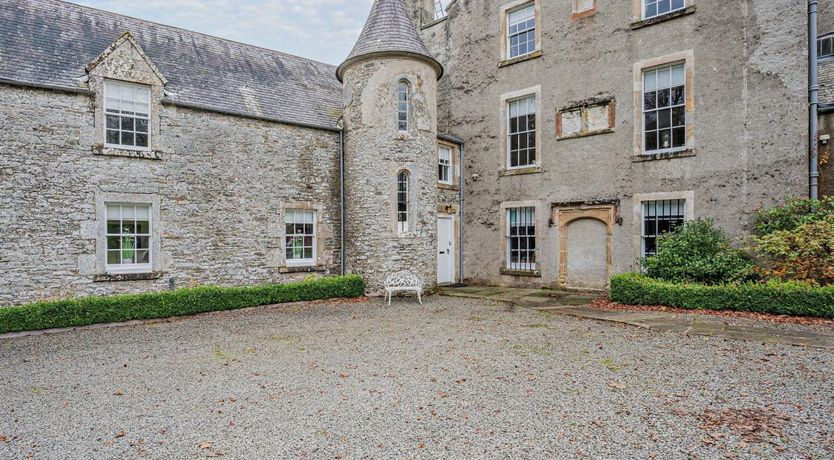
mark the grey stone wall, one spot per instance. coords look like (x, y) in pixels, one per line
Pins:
(375, 151)
(749, 119)
(221, 186)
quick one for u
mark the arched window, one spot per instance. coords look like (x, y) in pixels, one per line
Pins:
(403, 97)
(402, 202)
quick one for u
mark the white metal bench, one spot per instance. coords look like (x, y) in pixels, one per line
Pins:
(403, 281)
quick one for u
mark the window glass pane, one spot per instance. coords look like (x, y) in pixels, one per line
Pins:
(114, 257)
(112, 137)
(678, 73)
(141, 140)
(143, 257)
(127, 138)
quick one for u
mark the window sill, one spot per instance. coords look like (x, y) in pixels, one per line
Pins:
(663, 156)
(586, 134)
(665, 17)
(520, 171)
(302, 269)
(443, 186)
(433, 23)
(119, 277)
(113, 152)
(514, 272)
(508, 62)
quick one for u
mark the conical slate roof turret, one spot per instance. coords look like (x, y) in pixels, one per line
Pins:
(389, 32)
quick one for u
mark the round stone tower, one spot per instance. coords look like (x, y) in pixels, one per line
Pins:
(390, 123)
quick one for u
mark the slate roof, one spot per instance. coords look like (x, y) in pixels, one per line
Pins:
(49, 42)
(389, 30)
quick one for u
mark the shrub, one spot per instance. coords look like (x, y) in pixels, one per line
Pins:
(774, 297)
(113, 309)
(804, 254)
(793, 214)
(700, 252)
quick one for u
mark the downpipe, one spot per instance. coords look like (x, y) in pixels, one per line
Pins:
(813, 103)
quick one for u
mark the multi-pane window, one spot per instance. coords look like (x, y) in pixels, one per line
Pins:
(402, 202)
(128, 237)
(652, 8)
(660, 217)
(402, 106)
(301, 237)
(521, 28)
(126, 110)
(521, 238)
(522, 132)
(444, 165)
(825, 46)
(439, 10)
(664, 109)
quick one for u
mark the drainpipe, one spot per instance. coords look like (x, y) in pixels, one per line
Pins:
(813, 99)
(460, 212)
(341, 198)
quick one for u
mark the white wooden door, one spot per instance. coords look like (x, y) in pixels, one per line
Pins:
(445, 250)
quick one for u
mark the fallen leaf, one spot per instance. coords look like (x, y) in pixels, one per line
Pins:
(120, 434)
(119, 393)
(344, 375)
(617, 385)
(214, 454)
(204, 445)
(4, 438)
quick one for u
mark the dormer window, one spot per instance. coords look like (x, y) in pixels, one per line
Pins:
(127, 108)
(402, 106)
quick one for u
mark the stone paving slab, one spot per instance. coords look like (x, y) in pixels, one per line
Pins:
(576, 304)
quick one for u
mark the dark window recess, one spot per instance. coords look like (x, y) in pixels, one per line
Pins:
(825, 46)
(660, 217)
(521, 239)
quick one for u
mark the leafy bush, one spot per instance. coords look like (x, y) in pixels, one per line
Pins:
(120, 308)
(793, 214)
(774, 297)
(804, 254)
(699, 252)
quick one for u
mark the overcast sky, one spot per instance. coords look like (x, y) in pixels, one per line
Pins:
(324, 30)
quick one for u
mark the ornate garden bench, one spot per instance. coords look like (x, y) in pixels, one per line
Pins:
(403, 281)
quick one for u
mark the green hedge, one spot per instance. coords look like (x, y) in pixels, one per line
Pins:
(114, 309)
(775, 297)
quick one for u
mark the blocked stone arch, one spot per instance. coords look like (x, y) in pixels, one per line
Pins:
(566, 216)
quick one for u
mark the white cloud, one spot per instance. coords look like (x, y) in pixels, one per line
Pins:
(324, 30)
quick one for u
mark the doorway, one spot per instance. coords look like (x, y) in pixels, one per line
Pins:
(445, 249)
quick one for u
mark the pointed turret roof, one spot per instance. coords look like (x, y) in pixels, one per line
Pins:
(389, 32)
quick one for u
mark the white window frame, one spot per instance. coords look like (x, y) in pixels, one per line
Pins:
(403, 225)
(528, 266)
(534, 132)
(671, 107)
(439, 10)
(108, 87)
(444, 164)
(644, 3)
(134, 267)
(403, 106)
(531, 5)
(304, 262)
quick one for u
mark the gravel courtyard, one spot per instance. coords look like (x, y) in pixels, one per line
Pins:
(459, 378)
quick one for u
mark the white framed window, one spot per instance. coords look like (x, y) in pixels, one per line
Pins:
(444, 165)
(659, 217)
(403, 97)
(128, 236)
(652, 8)
(300, 237)
(402, 201)
(521, 129)
(439, 9)
(521, 31)
(664, 109)
(521, 238)
(127, 109)
(825, 46)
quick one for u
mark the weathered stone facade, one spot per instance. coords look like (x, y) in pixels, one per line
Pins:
(747, 145)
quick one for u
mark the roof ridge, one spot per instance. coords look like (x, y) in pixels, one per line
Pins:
(216, 37)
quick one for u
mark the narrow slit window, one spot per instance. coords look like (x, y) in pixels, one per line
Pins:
(128, 238)
(127, 115)
(402, 106)
(660, 217)
(521, 239)
(521, 28)
(402, 202)
(300, 237)
(522, 132)
(664, 109)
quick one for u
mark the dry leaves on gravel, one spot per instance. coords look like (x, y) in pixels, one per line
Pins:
(751, 425)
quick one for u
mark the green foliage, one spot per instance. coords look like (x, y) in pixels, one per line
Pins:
(699, 252)
(189, 301)
(794, 213)
(804, 253)
(774, 297)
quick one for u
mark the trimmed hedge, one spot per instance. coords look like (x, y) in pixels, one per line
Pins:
(119, 308)
(775, 297)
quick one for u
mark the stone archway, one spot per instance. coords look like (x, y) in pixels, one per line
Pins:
(584, 246)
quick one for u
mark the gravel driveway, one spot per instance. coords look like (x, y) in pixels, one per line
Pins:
(460, 378)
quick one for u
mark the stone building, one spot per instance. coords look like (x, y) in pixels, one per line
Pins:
(136, 156)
